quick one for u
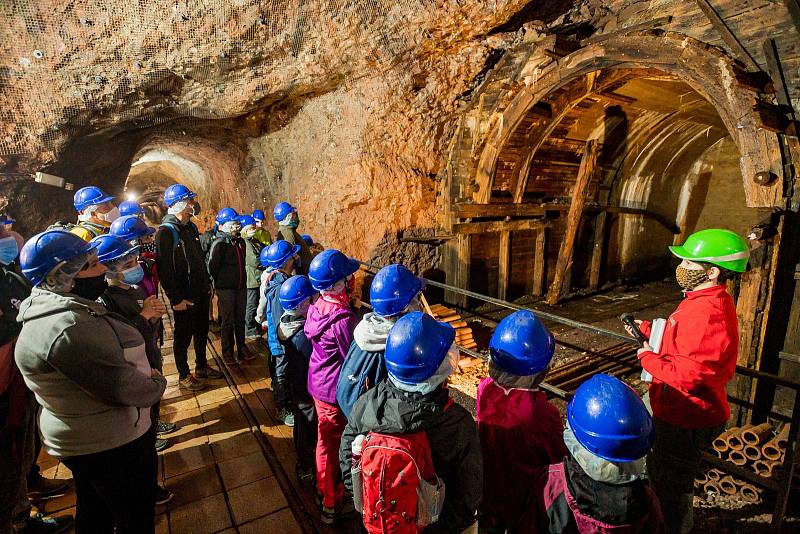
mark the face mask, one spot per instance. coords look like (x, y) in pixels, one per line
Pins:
(147, 248)
(248, 232)
(109, 216)
(688, 279)
(133, 275)
(8, 250)
(294, 223)
(196, 209)
(90, 288)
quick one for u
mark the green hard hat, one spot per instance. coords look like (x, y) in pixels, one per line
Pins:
(722, 248)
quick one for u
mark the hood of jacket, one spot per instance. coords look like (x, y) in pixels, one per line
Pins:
(42, 303)
(372, 332)
(289, 325)
(317, 323)
(391, 410)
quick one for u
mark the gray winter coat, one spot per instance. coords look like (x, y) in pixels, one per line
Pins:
(89, 372)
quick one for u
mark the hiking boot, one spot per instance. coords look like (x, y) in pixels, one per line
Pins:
(230, 360)
(328, 515)
(42, 488)
(163, 495)
(191, 383)
(286, 416)
(163, 427)
(39, 524)
(161, 444)
(208, 372)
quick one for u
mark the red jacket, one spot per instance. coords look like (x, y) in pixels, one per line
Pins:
(697, 359)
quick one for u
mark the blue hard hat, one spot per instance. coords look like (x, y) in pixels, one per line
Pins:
(44, 251)
(521, 344)
(111, 248)
(328, 267)
(392, 289)
(294, 291)
(416, 347)
(176, 193)
(130, 227)
(227, 215)
(89, 196)
(282, 209)
(308, 239)
(259, 215)
(610, 420)
(129, 207)
(246, 220)
(277, 254)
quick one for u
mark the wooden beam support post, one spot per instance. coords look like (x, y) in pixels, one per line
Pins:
(539, 263)
(456, 258)
(504, 271)
(727, 35)
(597, 252)
(564, 262)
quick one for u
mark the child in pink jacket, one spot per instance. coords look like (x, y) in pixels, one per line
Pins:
(520, 431)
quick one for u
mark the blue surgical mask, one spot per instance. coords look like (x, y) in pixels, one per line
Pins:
(8, 250)
(133, 275)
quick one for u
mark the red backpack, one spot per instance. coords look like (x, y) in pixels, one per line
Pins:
(395, 487)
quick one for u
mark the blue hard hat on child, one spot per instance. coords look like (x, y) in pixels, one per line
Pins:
(112, 248)
(308, 239)
(89, 196)
(130, 227)
(246, 220)
(282, 209)
(258, 215)
(416, 347)
(328, 267)
(277, 254)
(176, 193)
(610, 420)
(393, 289)
(521, 344)
(44, 251)
(294, 291)
(129, 207)
(226, 215)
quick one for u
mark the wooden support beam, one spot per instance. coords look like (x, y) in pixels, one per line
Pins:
(727, 35)
(598, 249)
(564, 262)
(456, 258)
(504, 270)
(499, 226)
(649, 25)
(794, 12)
(539, 263)
(469, 211)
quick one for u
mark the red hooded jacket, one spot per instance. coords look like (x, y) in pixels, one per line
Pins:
(697, 359)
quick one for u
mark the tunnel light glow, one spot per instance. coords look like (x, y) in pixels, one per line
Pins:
(132, 197)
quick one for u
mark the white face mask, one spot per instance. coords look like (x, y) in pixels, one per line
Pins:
(109, 216)
(248, 232)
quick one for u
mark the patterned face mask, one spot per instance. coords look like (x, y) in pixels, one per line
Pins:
(688, 279)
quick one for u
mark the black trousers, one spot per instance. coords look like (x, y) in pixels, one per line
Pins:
(305, 428)
(191, 325)
(251, 326)
(232, 304)
(115, 489)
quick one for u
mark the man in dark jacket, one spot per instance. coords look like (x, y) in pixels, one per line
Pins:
(226, 259)
(288, 220)
(182, 269)
(419, 357)
(295, 295)
(253, 268)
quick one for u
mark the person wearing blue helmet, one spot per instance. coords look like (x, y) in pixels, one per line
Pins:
(96, 212)
(278, 259)
(414, 400)
(226, 265)
(262, 233)
(288, 220)
(295, 296)
(600, 486)
(89, 371)
(394, 292)
(182, 271)
(521, 432)
(130, 207)
(253, 269)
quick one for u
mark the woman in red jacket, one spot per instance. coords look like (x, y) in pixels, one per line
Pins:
(695, 361)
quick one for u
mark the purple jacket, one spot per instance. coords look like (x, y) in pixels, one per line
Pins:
(330, 335)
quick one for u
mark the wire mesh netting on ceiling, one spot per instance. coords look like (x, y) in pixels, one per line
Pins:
(86, 65)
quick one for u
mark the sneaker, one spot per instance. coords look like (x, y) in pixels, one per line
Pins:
(39, 524)
(42, 488)
(161, 444)
(286, 417)
(191, 383)
(163, 495)
(208, 372)
(163, 427)
(328, 515)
